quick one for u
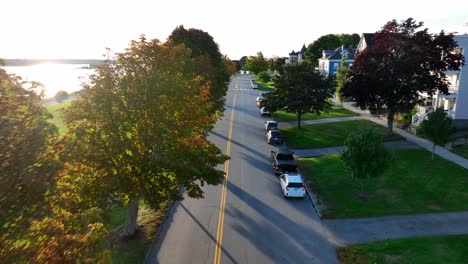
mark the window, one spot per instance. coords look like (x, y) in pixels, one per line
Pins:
(336, 66)
(295, 185)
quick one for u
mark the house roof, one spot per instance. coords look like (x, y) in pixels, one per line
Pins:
(303, 49)
(336, 55)
(293, 53)
(369, 38)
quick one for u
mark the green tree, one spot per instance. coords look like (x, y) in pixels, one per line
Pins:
(26, 170)
(437, 128)
(300, 89)
(264, 76)
(242, 63)
(366, 154)
(210, 60)
(404, 62)
(142, 126)
(256, 64)
(341, 79)
(329, 42)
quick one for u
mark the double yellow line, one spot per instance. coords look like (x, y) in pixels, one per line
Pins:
(222, 204)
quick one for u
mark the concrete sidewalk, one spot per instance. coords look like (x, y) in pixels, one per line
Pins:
(365, 230)
(306, 153)
(444, 153)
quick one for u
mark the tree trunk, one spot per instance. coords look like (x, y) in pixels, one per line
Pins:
(299, 120)
(131, 220)
(433, 149)
(390, 117)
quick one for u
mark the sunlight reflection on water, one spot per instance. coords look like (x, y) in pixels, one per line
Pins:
(54, 77)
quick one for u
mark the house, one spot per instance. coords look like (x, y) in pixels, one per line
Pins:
(331, 59)
(367, 39)
(297, 57)
(456, 102)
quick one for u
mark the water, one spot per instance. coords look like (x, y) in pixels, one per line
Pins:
(54, 77)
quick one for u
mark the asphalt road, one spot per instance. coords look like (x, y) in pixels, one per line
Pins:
(256, 225)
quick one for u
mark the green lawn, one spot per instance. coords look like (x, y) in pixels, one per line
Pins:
(427, 250)
(269, 86)
(133, 250)
(336, 111)
(461, 150)
(57, 120)
(327, 135)
(413, 184)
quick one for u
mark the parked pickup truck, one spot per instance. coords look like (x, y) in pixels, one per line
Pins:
(283, 161)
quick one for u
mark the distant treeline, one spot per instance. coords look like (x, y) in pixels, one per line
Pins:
(27, 62)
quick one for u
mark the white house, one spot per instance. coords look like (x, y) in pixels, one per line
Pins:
(455, 103)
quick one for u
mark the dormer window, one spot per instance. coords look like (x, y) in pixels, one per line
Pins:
(344, 54)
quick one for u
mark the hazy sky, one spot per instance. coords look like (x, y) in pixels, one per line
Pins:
(84, 28)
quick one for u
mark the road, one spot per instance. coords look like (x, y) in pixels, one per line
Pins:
(250, 222)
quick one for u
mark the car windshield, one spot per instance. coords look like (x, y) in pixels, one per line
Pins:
(295, 185)
(283, 156)
(272, 126)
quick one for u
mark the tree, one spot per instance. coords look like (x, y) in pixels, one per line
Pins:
(230, 65)
(242, 62)
(437, 128)
(26, 170)
(329, 42)
(256, 64)
(299, 90)
(341, 79)
(264, 76)
(211, 63)
(141, 126)
(403, 62)
(366, 154)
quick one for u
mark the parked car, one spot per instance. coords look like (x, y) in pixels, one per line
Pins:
(292, 185)
(273, 137)
(283, 161)
(270, 125)
(259, 100)
(264, 112)
(253, 84)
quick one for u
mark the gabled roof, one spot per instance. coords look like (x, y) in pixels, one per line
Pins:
(293, 53)
(336, 55)
(303, 49)
(369, 38)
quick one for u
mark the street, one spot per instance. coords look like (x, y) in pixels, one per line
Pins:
(252, 222)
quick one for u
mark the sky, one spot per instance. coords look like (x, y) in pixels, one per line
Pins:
(83, 29)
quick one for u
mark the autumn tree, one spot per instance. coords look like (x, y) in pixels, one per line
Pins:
(403, 63)
(141, 125)
(230, 65)
(25, 173)
(329, 42)
(211, 64)
(341, 79)
(437, 128)
(257, 64)
(300, 89)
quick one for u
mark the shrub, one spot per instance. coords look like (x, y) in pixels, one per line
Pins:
(264, 76)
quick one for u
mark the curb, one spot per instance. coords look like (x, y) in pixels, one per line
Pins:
(146, 260)
(312, 197)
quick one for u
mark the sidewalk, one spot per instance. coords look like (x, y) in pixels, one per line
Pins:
(306, 153)
(444, 153)
(365, 230)
(320, 121)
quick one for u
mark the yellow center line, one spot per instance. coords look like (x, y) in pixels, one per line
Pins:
(222, 204)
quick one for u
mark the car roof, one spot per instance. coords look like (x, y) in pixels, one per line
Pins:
(270, 122)
(293, 177)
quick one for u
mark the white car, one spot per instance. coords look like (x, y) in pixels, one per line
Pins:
(270, 125)
(264, 112)
(292, 185)
(259, 100)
